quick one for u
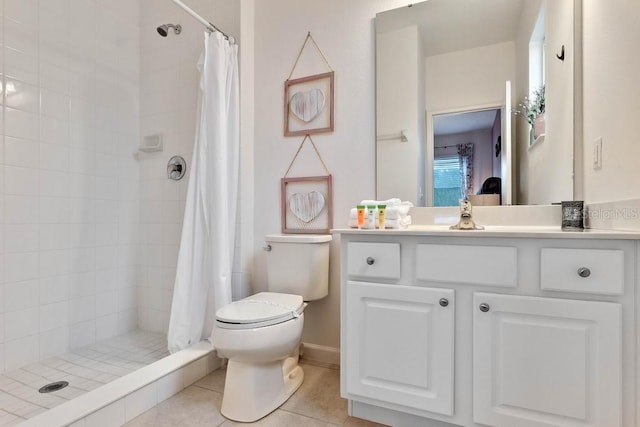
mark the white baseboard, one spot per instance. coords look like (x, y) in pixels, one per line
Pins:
(321, 353)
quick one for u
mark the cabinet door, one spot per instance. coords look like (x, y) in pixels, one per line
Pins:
(546, 362)
(400, 345)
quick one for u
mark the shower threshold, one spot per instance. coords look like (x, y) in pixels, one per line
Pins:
(127, 382)
(85, 369)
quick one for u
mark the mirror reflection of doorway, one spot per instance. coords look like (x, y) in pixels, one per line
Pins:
(467, 157)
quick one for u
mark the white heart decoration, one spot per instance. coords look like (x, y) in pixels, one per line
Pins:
(306, 206)
(307, 105)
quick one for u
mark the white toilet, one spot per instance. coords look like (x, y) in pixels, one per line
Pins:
(260, 335)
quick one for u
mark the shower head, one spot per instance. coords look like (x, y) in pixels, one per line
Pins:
(163, 30)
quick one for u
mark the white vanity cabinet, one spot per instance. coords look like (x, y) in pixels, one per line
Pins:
(390, 319)
(546, 361)
(488, 329)
(394, 320)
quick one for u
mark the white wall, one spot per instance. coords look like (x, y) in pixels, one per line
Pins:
(611, 107)
(68, 180)
(344, 32)
(469, 78)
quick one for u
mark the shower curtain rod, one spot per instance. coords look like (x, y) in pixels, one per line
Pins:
(200, 19)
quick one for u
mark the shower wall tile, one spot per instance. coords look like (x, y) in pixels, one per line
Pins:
(82, 333)
(106, 326)
(20, 266)
(54, 342)
(54, 289)
(21, 181)
(69, 184)
(20, 209)
(23, 11)
(55, 78)
(20, 295)
(20, 66)
(21, 237)
(21, 352)
(20, 323)
(26, 97)
(53, 157)
(21, 124)
(54, 316)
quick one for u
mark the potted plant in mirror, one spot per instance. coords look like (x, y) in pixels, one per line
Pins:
(533, 110)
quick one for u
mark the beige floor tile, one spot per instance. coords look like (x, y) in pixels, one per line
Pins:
(192, 407)
(280, 418)
(214, 381)
(316, 404)
(319, 396)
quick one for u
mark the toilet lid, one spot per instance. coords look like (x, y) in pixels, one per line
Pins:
(262, 309)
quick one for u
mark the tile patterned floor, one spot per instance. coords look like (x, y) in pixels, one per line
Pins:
(85, 369)
(317, 403)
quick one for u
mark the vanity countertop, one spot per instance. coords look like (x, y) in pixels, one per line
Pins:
(537, 232)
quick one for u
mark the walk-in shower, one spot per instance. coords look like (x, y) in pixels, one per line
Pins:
(89, 231)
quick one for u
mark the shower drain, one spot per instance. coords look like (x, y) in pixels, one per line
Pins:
(58, 385)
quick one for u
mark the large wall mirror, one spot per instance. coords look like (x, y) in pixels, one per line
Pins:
(449, 75)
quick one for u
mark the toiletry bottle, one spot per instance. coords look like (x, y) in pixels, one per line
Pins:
(371, 218)
(360, 209)
(381, 217)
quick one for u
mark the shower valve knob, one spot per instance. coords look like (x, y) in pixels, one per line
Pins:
(584, 272)
(176, 168)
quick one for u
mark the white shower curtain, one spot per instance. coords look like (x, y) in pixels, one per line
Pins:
(203, 277)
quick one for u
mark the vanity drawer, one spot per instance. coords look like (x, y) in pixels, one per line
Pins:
(373, 260)
(598, 271)
(473, 265)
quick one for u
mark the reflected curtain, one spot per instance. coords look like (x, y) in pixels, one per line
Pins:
(465, 160)
(205, 260)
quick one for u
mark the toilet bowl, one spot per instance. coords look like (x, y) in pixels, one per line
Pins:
(261, 334)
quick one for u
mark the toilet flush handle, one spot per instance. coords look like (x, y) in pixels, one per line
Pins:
(267, 248)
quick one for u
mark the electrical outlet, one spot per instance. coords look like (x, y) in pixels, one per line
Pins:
(597, 154)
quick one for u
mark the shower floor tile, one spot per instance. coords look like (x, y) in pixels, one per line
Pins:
(84, 368)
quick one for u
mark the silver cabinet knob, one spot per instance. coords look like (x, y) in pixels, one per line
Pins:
(584, 272)
(370, 261)
(443, 302)
(484, 307)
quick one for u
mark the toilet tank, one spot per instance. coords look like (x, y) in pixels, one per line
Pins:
(298, 264)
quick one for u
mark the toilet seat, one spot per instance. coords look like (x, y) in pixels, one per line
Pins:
(260, 310)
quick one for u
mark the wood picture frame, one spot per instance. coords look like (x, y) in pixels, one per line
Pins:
(306, 205)
(308, 105)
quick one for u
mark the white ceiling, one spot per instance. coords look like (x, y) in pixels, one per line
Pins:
(447, 124)
(468, 24)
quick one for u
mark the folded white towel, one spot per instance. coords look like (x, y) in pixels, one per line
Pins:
(403, 207)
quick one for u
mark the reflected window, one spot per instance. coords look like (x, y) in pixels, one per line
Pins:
(447, 184)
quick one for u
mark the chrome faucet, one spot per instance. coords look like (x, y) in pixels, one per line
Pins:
(466, 223)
